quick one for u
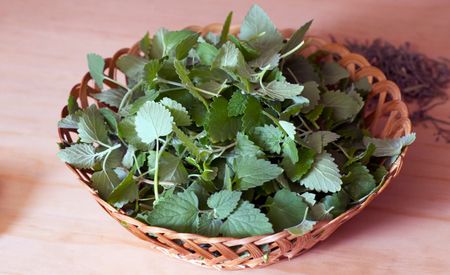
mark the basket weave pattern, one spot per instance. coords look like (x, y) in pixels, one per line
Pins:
(385, 115)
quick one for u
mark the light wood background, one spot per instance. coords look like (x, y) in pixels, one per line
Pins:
(50, 225)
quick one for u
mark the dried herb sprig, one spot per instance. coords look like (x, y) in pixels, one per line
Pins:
(423, 81)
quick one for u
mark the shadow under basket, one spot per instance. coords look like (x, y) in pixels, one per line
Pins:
(385, 114)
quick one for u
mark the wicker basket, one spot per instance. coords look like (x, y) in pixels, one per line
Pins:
(385, 114)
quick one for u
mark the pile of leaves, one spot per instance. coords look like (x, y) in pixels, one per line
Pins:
(228, 136)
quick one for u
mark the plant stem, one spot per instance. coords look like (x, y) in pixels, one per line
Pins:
(117, 83)
(129, 93)
(342, 150)
(155, 179)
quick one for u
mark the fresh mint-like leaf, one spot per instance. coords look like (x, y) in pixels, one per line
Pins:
(111, 119)
(358, 182)
(208, 225)
(288, 128)
(389, 147)
(126, 192)
(220, 127)
(96, 64)
(126, 130)
(269, 137)
(237, 104)
(246, 220)
(112, 97)
(183, 48)
(296, 170)
(171, 168)
(92, 128)
(301, 229)
(178, 212)
(333, 72)
(296, 39)
(132, 66)
(183, 74)
(224, 202)
(207, 53)
(104, 182)
(252, 172)
(324, 175)
(286, 209)
(153, 120)
(179, 113)
(318, 140)
(164, 42)
(79, 155)
(145, 44)
(245, 147)
(69, 122)
(226, 29)
(312, 93)
(259, 31)
(344, 106)
(72, 105)
(290, 150)
(280, 90)
(253, 114)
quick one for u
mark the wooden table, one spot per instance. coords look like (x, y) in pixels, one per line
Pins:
(49, 224)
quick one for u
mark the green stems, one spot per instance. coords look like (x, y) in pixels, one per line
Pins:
(129, 93)
(155, 179)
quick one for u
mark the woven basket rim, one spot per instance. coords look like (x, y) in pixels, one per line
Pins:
(266, 238)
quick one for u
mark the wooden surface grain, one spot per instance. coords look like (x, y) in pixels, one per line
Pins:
(49, 224)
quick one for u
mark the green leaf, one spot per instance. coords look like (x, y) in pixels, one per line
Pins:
(332, 72)
(344, 106)
(358, 182)
(296, 38)
(259, 31)
(151, 70)
(164, 42)
(253, 114)
(183, 48)
(126, 192)
(207, 53)
(153, 120)
(111, 119)
(336, 203)
(132, 66)
(319, 139)
(69, 122)
(389, 147)
(314, 114)
(225, 29)
(128, 158)
(91, 127)
(224, 202)
(179, 113)
(96, 64)
(269, 137)
(112, 97)
(183, 74)
(301, 229)
(280, 90)
(79, 155)
(312, 93)
(296, 170)
(208, 225)
(171, 168)
(286, 210)
(237, 104)
(324, 175)
(127, 130)
(246, 220)
(178, 212)
(72, 105)
(220, 127)
(380, 173)
(187, 142)
(227, 58)
(245, 147)
(290, 150)
(253, 172)
(104, 182)
(288, 128)
(145, 44)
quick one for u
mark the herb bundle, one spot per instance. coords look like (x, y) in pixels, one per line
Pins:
(229, 136)
(423, 81)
